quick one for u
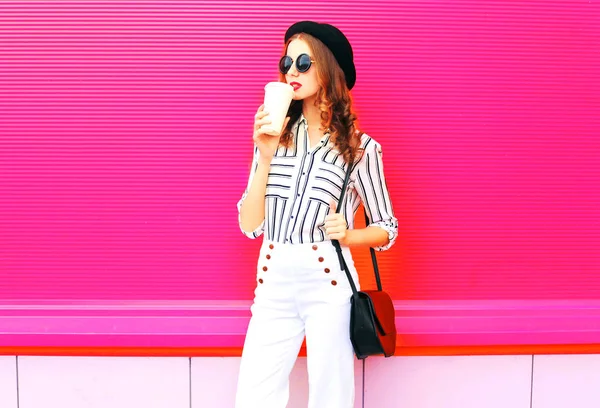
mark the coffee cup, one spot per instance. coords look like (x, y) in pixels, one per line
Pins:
(278, 97)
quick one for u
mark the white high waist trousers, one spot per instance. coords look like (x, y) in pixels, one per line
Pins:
(301, 290)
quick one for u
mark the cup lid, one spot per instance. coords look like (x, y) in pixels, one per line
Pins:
(279, 84)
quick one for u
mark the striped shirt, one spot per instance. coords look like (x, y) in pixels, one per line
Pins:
(303, 181)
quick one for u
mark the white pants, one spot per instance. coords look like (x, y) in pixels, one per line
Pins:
(301, 289)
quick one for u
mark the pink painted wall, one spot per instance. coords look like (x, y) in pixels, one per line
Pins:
(125, 143)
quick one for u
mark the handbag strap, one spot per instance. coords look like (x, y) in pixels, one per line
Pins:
(338, 248)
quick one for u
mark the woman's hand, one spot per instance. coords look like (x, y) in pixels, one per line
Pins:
(336, 227)
(267, 144)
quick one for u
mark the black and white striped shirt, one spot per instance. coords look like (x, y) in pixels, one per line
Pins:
(303, 182)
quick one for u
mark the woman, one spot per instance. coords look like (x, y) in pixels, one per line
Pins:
(292, 194)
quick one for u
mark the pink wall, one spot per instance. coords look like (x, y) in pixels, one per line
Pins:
(114, 117)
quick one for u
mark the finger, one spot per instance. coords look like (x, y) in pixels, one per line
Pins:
(332, 206)
(338, 229)
(332, 227)
(261, 122)
(334, 216)
(260, 115)
(335, 224)
(334, 221)
(337, 236)
(335, 229)
(258, 125)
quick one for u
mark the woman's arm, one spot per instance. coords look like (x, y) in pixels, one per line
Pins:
(372, 188)
(370, 184)
(371, 236)
(251, 207)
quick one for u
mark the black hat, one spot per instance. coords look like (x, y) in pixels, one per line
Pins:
(333, 39)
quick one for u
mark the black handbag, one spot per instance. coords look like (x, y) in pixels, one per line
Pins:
(372, 315)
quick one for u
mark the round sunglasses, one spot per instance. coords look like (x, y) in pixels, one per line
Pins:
(303, 63)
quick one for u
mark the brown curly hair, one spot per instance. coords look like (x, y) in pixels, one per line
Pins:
(333, 100)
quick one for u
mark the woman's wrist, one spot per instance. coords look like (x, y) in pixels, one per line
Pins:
(369, 236)
(347, 241)
(264, 161)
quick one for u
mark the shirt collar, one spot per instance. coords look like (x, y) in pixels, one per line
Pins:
(302, 120)
(326, 137)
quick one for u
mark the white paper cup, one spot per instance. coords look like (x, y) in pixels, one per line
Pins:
(278, 97)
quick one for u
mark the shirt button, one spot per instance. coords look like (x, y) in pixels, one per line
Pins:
(333, 282)
(271, 246)
(321, 259)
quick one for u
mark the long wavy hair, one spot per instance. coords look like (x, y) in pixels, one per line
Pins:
(333, 100)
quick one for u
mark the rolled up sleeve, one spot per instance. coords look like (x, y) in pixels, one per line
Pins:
(372, 189)
(261, 228)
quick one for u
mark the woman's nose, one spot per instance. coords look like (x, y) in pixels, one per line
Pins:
(293, 71)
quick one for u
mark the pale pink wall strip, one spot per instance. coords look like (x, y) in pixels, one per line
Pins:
(449, 323)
